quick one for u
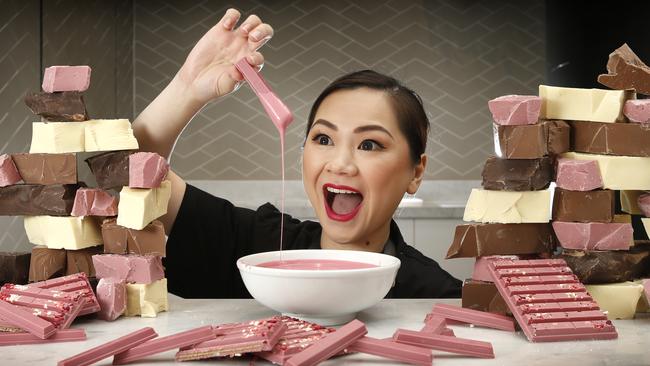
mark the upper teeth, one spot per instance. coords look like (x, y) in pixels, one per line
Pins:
(335, 190)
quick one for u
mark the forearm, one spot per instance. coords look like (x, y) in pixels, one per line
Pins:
(157, 128)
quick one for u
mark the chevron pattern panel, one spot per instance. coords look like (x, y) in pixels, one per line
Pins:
(456, 54)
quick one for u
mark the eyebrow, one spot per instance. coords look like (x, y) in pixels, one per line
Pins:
(359, 129)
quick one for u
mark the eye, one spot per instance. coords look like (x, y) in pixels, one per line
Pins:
(370, 145)
(322, 139)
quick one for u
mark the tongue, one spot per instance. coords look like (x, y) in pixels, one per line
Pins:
(344, 203)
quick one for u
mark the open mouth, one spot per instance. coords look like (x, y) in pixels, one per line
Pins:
(342, 203)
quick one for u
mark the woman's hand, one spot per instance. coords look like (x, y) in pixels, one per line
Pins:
(209, 71)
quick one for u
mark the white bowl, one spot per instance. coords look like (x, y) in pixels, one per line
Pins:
(326, 297)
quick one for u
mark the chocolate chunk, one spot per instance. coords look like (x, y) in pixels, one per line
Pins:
(626, 71)
(532, 141)
(583, 206)
(477, 240)
(81, 260)
(629, 139)
(517, 174)
(58, 107)
(483, 296)
(122, 240)
(14, 268)
(608, 266)
(47, 168)
(111, 169)
(34, 200)
(46, 263)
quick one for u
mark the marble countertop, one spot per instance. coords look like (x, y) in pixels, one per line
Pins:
(631, 348)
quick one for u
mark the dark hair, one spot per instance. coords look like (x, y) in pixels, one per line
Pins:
(411, 117)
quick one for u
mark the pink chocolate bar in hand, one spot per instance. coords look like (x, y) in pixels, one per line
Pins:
(461, 346)
(75, 283)
(147, 170)
(62, 335)
(329, 345)
(111, 348)
(277, 111)
(9, 174)
(66, 78)
(393, 351)
(236, 339)
(475, 317)
(94, 202)
(547, 310)
(25, 319)
(163, 344)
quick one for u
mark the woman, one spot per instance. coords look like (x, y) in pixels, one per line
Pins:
(364, 148)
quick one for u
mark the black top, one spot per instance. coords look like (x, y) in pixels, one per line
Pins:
(210, 234)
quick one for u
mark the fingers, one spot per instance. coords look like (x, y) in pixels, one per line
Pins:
(260, 35)
(230, 18)
(249, 24)
(256, 60)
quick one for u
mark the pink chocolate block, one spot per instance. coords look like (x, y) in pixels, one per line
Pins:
(63, 335)
(94, 202)
(147, 170)
(644, 204)
(578, 175)
(129, 268)
(593, 235)
(637, 110)
(461, 346)
(481, 272)
(66, 78)
(9, 174)
(393, 351)
(646, 289)
(329, 345)
(111, 295)
(515, 109)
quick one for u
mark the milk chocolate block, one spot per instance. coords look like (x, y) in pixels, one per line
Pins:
(111, 169)
(618, 300)
(593, 235)
(483, 296)
(578, 175)
(146, 300)
(476, 240)
(47, 168)
(46, 263)
(577, 104)
(65, 232)
(608, 266)
(637, 110)
(94, 202)
(626, 139)
(32, 199)
(122, 240)
(138, 207)
(58, 107)
(515, 109)
(619, 172)
(508, 207)
(109, 134)
(591, 206)
(629, 202)
(517, 174)
(147, 170)
(57, 137)
(129, 268)
(532, 141)
(81, 260)
(14, 268)
(66, 78)
(626, 71)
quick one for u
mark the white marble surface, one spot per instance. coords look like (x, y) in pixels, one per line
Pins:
(631, 348)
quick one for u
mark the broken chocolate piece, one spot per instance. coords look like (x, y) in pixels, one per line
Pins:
(532, 141)
(81, 260)
(8, 172)
(14, 267)
(111, 169)
(626, 71)
(31, 199)
(475, 240)
(46, 263)
(517, 174)
(628, 139)
(637, 110)
(515, 109)
(58, 107)
(122, 240)
(47, 168)
(483, 296)
(608, 266)
(579, 206)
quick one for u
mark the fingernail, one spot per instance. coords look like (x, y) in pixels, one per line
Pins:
(246, 28)
(227, 23)
(255, 36)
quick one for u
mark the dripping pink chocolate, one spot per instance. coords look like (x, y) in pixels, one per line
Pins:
(316, 264)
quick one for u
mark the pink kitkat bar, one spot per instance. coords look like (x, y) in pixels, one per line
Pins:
(25, 319)
(548, 311)
(110, 348)
(66, 78)
(329, 345)
(393, 351)
(475, 317)
(75, 283)
(461, 346)
(62, 335)
(60, 312)
(163, 344)
(236, 339)
(277, 111)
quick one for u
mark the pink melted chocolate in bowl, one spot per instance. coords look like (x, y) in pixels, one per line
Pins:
(328, 287)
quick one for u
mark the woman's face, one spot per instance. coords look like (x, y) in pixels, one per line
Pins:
(356, 168)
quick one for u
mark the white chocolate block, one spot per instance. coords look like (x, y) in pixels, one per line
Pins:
(138, 207)
(575, 104)
(146, 300)
(57, 137)
(63, 232)
(618, 300)
(646, 224)
(109, 134)
(629, 202)
(508, 207)
(619, 172)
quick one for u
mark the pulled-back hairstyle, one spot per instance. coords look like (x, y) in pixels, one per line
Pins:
(407, 105)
